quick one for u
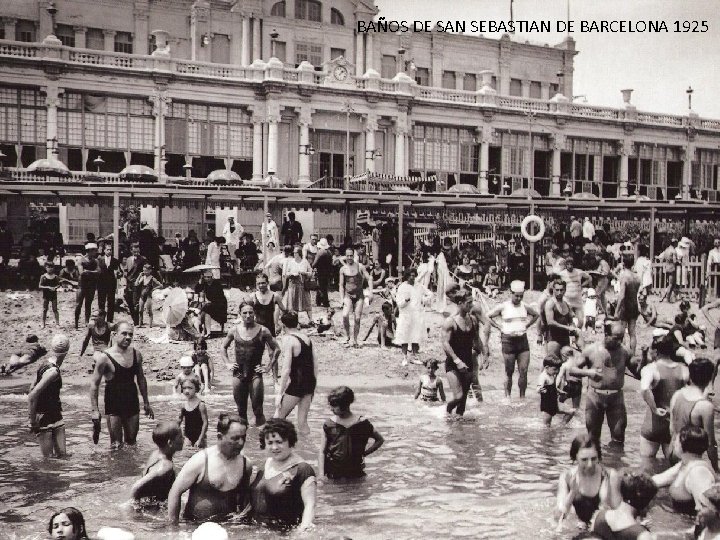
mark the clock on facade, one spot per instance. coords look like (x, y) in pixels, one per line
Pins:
(340, 73)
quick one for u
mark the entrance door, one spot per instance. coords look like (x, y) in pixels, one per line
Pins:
(338, 165)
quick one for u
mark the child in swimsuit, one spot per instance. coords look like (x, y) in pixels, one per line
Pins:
(146, 283)
(49, 283)
(590, 309)
(203, 365)
(491, 282)
(159, 472)
(186, 365)
(386, 325)
(194, 413)
(547, 389)
(567, 385)
(430, 385)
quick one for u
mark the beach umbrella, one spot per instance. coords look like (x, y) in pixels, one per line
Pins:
(526, 192)
(175, 306)
(49, 167)
(224, 176)
(142, 173)
(201, 268)
(463, 188)
(584, 196)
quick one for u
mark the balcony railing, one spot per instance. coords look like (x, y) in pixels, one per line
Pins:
(42, 53)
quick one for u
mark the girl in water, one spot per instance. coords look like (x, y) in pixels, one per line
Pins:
(588, 485)
(343, 446)
(159, 473)
(69, 524)
(430, 384)
(194, 413)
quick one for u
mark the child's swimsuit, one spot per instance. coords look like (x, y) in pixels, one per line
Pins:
(428, 389)
(193, 423)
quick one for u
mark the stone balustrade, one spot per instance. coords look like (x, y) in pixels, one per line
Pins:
(261, 71)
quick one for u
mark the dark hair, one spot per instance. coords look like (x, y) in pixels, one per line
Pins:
(638, 489)
(694, 440)
(664, 346)
(225, 420)
(342, 397)
(628, 260)
(285, 429)
(116, 326)
(50, 264)
(193, 379)
(69, 262)
(681, 318)
(290, 319)
(432, 364)
(408, 272)
(245, 303)
(76, 518)
(133, 244)
(262, 275)
(32, 338)
(559, 281)
(551, 361)
(684, 305)
(701, 372)
(165, 432)
(201, 344)
(287, 250)
(584, 440)
(551, 278)
(386, 308)
(291, 215)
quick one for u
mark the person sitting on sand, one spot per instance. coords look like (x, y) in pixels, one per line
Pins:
(186, 371)
(159, 474)
(385, 321)
(203, 364)
(70, 273)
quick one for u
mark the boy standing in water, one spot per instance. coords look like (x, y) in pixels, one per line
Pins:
(547, 389)
(159, 472)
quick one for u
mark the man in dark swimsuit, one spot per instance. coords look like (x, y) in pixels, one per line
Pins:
(353, 280)
(628, 309)
(559, 316)
(218, 477)
(604, 363)
(88, 282)
(264, 300)
(120, 366)
(250, 340)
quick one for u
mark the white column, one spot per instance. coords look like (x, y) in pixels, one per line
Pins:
(52, 99)
(257, 166)
(80, 34)
(109, 36)
(623, 180)
(687, 172)
(399, 152)
(359, 71)
(555, 188)
(484, 166)
(159, 101)
(369, 52)
(272, 158)
(303, 157)
(370, 147)
(246, 41)
(257, 39)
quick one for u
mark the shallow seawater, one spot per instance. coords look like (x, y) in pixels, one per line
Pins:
(492, 474)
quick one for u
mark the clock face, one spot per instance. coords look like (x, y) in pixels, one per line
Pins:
(340, 73)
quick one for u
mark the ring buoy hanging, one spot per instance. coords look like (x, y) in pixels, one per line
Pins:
(524, 228)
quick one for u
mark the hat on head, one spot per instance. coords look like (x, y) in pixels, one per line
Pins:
(186, 361)
(210, 531)
(517, 286)
(323, 244)
(591, 292)
(660, 332)
(32, 338)
(90, 245)
(684, 242)
(60, 343)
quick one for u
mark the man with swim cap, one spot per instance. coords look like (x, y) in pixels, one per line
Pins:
(120, 366)
(44, 408)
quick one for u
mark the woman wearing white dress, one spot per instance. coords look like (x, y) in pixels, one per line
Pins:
(444, 280)
(296, 272)
(212, 257)
(410, 329)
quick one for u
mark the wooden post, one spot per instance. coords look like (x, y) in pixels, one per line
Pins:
(532, 255)
(116, 224)
(401, 219)
(203, 232)
(652, 235)
(160, 209)
(347, 219)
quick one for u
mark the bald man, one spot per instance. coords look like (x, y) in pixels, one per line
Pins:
(604, 363)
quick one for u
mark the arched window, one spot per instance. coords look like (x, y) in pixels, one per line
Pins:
(278, 9)
(309, 10)
(336, 17)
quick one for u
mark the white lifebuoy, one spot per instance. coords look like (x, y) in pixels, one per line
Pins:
(526, 223)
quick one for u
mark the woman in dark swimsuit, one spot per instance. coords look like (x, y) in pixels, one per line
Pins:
(299, 374)
(461, 341)
(589, 484)
(98, 332)
(159, 475)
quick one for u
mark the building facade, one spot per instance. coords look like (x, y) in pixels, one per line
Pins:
(291, 89)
